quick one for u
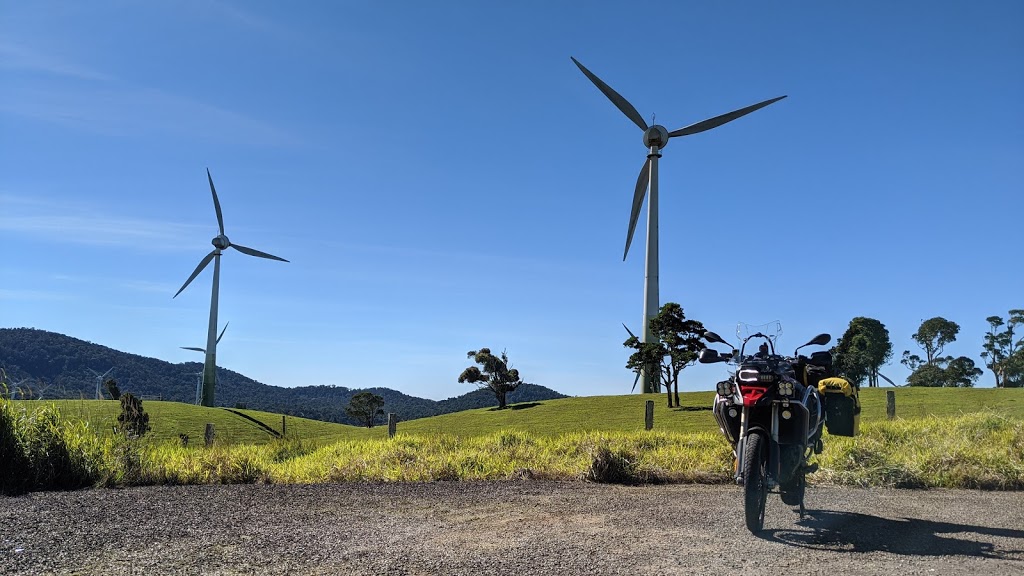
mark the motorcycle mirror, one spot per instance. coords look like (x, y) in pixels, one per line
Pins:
(712, 337)
(820, 339)
(708, 356)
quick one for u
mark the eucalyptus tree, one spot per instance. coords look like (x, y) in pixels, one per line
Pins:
(1003, 354)
(493, 373)
(365, 407)
(935, 369)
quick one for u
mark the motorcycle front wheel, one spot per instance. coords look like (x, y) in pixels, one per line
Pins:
(755, 481)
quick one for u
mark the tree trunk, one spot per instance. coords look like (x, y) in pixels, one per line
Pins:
(677, 393)
(668, 392)
(501, 400)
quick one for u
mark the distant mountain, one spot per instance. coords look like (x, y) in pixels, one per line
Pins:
(57, 366)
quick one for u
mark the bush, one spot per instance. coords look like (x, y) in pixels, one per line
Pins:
(613, 467)
(15, 471)
(133, 420)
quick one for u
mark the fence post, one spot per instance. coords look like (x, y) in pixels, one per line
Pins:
(209, 435)
(890, 404)
(649, 415)
(284, 426)
(392, 424)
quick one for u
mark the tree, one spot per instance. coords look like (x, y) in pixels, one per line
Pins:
(1002, 354)
(679, 343)
(934, 334)
(133, 420)
(960, 372)
(364, 407)
(494, 373)
(112, 389)
(935, 370)
(928, 375)
(863, 349)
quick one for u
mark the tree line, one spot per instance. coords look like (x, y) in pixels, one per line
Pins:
(858, 355)
(866, 347)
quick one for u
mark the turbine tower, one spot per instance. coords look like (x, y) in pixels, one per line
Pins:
(220, 243)
(99, 382)
(656, 137)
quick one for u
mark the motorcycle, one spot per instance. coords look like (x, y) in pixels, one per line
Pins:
(772, 414)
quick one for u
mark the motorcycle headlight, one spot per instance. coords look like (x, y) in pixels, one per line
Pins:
(785, 388)
(749, 375)
(724, 388)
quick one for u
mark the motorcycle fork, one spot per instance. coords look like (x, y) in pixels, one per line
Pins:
(774, 458)
(741, 443)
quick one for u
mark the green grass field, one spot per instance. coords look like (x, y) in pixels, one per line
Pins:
(169, 419)
(549, 418)
(954, 438)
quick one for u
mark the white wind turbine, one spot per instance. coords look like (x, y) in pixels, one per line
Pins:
(199, 383)
(220, 243)
(655, 138)
(99, 382)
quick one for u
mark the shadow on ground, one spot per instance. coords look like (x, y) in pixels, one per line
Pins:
(522, 406)
(693, 409)
(853, 532)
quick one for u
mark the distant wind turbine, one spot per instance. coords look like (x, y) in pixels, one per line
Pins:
(220, 243)
(656, 137)
(199, 383)
(99, 382)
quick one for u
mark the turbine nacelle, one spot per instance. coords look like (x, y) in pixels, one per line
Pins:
(221, 242)
(656, 137)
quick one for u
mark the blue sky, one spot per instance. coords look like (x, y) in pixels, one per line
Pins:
(443, 178)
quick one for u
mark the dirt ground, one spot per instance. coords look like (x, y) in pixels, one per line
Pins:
(516, 527)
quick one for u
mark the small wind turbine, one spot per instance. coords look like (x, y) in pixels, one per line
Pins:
(99, 382)
(199, 383)
(220, 243)
(20, 390)
(656, 137)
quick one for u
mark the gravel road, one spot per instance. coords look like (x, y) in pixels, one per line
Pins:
(515, 527)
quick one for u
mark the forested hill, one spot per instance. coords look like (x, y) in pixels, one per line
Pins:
(52, 365)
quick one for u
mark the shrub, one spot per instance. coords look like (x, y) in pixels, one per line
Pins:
(613, 467)
(133, 420)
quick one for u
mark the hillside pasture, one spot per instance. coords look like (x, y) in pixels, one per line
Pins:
(548, 418)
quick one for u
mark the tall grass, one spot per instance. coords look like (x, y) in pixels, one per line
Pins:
(42, 451)
(982, 450)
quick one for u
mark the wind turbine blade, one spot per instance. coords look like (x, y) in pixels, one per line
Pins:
(216, 202)
(628, 330)
(638, 201)
(719, 120)
(198, 269)
(617, 99)
(221, 333)
(203, 350)
(90, 370)
(635, 380)
(257, 253)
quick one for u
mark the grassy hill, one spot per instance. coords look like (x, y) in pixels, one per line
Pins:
(549, 418)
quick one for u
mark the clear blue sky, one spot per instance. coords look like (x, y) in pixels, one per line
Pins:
(443, 178)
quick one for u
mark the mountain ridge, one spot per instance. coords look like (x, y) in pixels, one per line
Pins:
(56, 365)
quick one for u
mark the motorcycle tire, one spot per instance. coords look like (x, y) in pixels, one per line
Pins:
(755, 481)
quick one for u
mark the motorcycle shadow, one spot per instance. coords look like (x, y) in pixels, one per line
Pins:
(853, 532)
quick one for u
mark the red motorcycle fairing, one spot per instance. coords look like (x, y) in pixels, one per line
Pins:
(753, 393)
